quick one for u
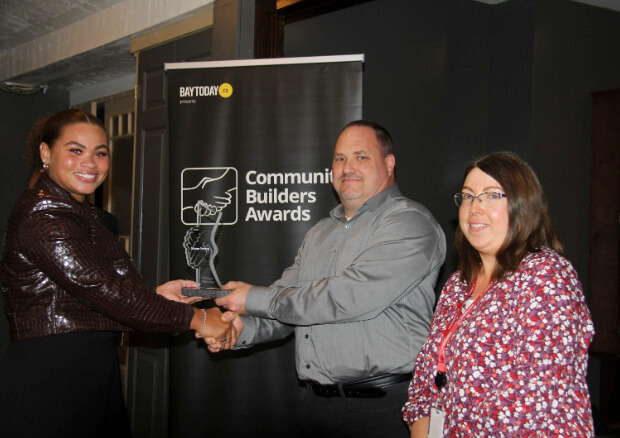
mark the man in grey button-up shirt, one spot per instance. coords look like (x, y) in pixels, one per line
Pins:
(360, 293)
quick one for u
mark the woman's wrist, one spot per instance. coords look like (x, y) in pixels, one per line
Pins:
(204, 323)
(198, 320)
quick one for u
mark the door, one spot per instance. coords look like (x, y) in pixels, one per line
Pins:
(603, 290)
(148, 363)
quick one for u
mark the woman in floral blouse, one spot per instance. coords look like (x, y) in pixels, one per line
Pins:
(508, 347)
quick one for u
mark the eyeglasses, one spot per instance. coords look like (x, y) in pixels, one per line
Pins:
(487, 199)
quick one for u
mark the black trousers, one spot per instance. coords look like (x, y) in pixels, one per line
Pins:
(65, 386)
(354, 417)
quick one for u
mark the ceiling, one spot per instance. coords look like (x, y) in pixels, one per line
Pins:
(24, 21)
(75, 44)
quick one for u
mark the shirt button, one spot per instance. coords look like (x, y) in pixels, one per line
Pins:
(307, 367)
(306, 336)
(244, 342)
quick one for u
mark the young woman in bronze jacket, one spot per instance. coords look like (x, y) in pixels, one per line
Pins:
(69, 288)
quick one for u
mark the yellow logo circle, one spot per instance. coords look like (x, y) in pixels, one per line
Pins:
(226, 90)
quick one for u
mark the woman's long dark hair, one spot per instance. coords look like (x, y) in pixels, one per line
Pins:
(529, 226)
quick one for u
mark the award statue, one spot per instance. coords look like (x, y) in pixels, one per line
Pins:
(200, 252)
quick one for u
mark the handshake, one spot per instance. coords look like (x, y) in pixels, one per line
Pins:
(218, 330)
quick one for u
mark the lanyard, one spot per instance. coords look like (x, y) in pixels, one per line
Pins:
(440, 377)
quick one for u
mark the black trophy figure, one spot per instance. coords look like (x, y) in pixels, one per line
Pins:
(200, 253)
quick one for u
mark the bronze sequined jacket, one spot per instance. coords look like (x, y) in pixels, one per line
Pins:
(63, 271)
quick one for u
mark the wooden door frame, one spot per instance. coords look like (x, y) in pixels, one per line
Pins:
(272, 15)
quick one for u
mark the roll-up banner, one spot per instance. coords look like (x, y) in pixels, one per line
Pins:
(250, 152)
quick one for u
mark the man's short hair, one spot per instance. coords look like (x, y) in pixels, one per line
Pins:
(383, 136)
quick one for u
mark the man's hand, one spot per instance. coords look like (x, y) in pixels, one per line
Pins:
(237, 322)
(172, 291)
(235, 300)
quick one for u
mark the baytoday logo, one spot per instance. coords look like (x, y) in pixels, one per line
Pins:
(224, 90)
(206, 191)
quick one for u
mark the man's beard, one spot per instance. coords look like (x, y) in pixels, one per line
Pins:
(350, 193)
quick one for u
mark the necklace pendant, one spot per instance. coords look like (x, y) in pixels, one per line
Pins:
(440, 380)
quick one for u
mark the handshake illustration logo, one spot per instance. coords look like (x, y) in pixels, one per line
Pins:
(206, 192)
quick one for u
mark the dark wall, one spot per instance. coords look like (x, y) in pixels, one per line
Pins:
(454, 79)
(17, 114)
(576, 53)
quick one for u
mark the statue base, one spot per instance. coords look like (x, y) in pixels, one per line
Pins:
(205, 292)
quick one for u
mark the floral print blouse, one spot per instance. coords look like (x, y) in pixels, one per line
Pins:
(516, 366)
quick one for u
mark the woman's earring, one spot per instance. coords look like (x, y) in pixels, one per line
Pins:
(46, 166)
